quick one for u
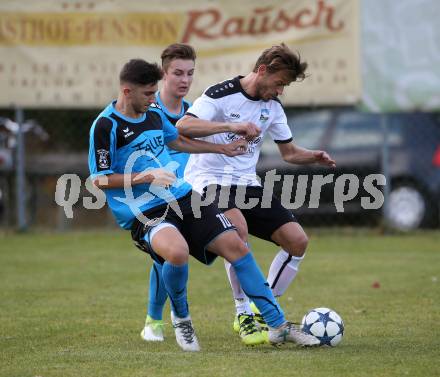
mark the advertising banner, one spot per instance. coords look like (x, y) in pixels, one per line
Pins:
(69, 53)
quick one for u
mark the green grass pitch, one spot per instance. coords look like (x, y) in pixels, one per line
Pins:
(73, 305)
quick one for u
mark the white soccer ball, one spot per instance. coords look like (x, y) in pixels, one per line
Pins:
(324, 324)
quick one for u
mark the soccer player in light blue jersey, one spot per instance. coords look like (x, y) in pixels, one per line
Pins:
(129, 161)
(178, 64)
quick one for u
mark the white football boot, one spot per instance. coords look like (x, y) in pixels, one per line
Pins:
(288, 332)
(185, 334)
(153, 330)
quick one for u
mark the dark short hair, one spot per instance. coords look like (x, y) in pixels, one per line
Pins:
(177, 51)
(140, 72)
(281, 58)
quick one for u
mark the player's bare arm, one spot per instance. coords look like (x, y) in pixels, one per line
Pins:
(186, 144)
(158, 177)
(296, 155)
(191, 126)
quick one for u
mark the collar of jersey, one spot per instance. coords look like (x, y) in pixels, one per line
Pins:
(165, 110)
(237, 80)
(126, 118)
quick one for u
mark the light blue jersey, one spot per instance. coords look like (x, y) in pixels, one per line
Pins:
(123, 145)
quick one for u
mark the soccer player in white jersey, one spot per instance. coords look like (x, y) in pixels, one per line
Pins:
(247, 106)
(178, 65)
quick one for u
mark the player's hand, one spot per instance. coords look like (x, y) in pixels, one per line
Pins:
(158, 177)
(236, 148)
(323, 158)
(248, 130)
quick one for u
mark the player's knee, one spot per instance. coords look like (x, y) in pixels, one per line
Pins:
(237, 248)
(240, 224)
(232, 247)
(241, 249)
(242, 231)
(177, 254)
(178, 259)
(297, 245)
(301, 244)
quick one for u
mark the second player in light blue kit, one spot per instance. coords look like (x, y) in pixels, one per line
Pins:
(178, 64)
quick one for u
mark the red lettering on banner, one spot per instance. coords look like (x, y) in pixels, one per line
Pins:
(282, 22)
(298, 20)
(322, 8)
(209, 24)
(199, 30)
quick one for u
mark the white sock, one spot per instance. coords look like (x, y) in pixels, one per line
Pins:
(242, 304)
(282, 271)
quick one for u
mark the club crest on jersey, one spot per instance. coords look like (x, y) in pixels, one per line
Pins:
(103, 158)
(264, 115)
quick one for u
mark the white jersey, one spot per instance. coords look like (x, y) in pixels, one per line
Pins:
(228, 102)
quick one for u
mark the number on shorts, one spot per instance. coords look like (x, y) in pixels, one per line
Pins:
(224, 220)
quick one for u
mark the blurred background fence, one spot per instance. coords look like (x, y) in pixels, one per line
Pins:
(371, 99)
(57, 144)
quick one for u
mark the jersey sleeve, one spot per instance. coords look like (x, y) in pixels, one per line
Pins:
(101, 148)
(205, 108)
(279, 130)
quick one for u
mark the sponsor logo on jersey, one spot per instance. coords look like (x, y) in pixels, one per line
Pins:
(235, 115)
(155, 105)
(154, 145)
(127, 132)
(230, 137)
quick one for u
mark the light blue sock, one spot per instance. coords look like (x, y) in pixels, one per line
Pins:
(175, 279)
(157, 292)
(257, 289)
